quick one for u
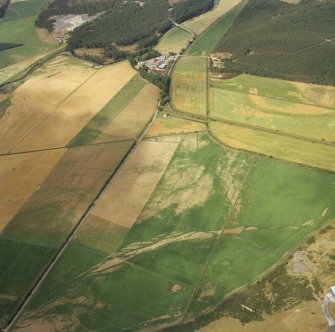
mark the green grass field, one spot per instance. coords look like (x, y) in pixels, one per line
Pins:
(281, 147)
(214, 223)
(18, 27)
(207, 41)
(294, 92)
(173, 41)
(189, 85)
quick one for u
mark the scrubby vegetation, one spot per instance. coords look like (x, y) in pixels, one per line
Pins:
(289, 41)
(275, 292)
(3, 7)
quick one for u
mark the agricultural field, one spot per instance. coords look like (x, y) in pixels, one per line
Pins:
(206, 43)
(18, 27)
(173, 125)
(55, 104)
(289, 108)
(50, 172)
(174, 41)
(189, 85)
(200, 23)
(192, 195)
(281, 147)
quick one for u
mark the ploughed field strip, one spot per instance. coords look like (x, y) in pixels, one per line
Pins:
(47, 184)
(194, 222)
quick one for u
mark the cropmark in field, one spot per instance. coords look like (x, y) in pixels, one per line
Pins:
(213, 222)
(277, 105)
(189, 85)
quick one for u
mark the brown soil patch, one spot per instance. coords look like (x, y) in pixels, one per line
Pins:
(20, 177)
(128, 49)
(74, 113)
(173, 2)
(294, 2)
(208, 291)
(237, 230)
(133, 118)
(176, 288)
(37, 98)
(98, 52)
(126, 196)
(6, 297)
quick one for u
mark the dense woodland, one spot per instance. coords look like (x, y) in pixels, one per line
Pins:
(121, 23)
(186, 9)
(276, 39)
(3, 7)
(126, 25)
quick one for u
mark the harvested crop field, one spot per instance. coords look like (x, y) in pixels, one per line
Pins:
(133, 118)
(172, 125)
(189, 85)
(20, 177)
(73, 113)
(36, 99)
(201, 198)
